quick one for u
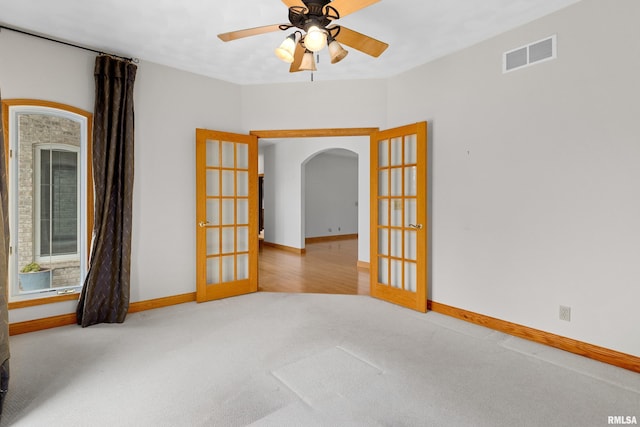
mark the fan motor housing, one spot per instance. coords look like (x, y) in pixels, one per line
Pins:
(313, 14)
(314, 5)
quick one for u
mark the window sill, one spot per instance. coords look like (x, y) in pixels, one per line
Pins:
(41, 301)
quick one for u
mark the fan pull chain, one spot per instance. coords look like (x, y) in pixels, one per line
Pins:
(317, 62)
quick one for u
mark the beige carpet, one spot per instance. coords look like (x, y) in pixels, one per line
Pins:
(272, 359)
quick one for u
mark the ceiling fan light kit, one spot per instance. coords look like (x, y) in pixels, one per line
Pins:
(314, 18)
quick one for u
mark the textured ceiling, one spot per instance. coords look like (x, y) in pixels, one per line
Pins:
(183, 34)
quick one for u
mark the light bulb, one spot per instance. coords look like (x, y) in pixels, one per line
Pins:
(316, 39)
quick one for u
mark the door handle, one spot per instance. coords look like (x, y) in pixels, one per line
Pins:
(416, 226)
(203, 224)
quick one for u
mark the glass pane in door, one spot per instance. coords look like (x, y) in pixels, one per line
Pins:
(411, 276)
(228, 157)
(410, 183)
(228, 183)
(243, 267)
(411, 149)
(242, 153)
(213, 183)
(213, 270)
(242, 211)
(243, 183)
(213, 153)
(213, 211)
(396, 151)
(228, 240)
(242, 239)
(383, 182)
(396, 212)
(383, 270)
(410, 212)
(396, 182)
(383, 241)
(383, 153)
(213, 241)
(228, 268)
(396, 273)
(228, 212)
(410, 244)
(396, 243)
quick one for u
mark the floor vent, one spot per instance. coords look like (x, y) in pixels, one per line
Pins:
(533, 53)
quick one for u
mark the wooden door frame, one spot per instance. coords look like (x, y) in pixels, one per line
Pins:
(314, 133)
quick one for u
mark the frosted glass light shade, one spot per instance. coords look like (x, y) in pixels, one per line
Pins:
(308, 62)
(336, 52)
(316, 39)
(287, 49)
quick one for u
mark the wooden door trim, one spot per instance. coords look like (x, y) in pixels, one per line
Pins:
(313, 133)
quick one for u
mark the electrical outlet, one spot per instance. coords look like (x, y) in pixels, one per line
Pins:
(338, 228)
(565, 313)
(329, 230)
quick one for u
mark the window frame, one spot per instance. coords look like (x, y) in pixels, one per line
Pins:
(37, 202)
(11, 109)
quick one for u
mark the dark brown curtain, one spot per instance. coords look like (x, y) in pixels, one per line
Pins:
(105, 295)
(4, 269)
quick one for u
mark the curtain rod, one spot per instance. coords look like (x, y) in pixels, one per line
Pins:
(134, 60)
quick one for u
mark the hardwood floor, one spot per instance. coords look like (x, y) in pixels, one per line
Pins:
(326, 268)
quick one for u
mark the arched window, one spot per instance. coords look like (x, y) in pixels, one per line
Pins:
(50, 192)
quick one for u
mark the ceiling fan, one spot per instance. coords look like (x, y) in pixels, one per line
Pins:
(315, 20)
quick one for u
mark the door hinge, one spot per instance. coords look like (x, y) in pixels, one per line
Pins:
(11, 153)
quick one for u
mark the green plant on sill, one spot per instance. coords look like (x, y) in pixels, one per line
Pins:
(29, 268)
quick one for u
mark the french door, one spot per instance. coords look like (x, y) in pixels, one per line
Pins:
(399, 216)
(226, 214)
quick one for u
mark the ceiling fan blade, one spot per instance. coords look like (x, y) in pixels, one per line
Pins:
(346, 7)
(290, 3)
(363, 43)
(234, 35)
(297, 59)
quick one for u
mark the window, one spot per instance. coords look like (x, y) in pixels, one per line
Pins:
(57, 202)
(50, 190)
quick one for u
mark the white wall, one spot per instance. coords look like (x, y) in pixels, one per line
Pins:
(37, 69)
(331, 194)
(169, 106)
(284, 184)
(311, 105)
(356, 103)
(535, 175)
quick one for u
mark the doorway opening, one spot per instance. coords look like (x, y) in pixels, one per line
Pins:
(316, 225)
(330, 196)
(329, 212)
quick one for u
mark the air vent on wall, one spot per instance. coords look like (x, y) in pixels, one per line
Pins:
(533, 53)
